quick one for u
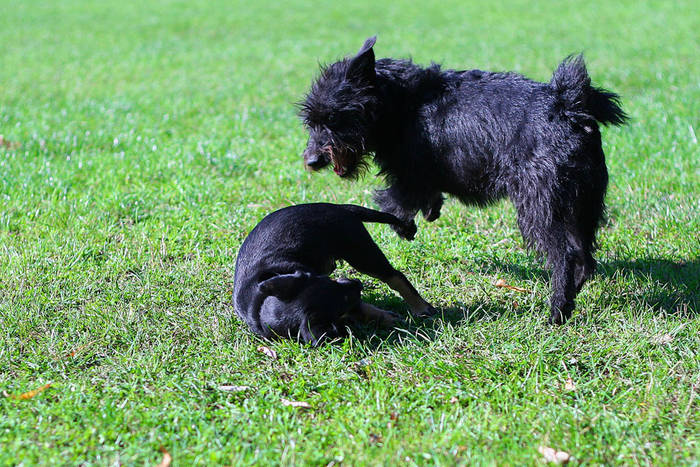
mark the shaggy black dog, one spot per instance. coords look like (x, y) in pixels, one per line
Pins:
(479, 136)
(281, 285)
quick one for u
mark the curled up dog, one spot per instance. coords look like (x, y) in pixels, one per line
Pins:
(281, 283)
(478, 136)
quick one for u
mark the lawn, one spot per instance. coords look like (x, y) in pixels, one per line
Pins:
(143, 140)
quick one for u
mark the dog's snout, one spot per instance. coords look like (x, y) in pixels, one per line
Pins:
(315, 160)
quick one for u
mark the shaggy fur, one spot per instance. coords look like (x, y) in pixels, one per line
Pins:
(281, 284)
(478, 136)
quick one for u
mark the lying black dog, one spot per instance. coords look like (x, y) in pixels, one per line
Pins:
(479, 136)
(281, 284)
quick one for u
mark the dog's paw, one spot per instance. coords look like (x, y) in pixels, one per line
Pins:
(557, 317)
(425, 312)
(406, 230)
(431, 215)
(433, 211)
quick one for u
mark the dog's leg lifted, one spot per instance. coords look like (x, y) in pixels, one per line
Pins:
(396, 201)
(405, 203)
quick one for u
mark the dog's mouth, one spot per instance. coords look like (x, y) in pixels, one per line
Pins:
(344, 165)
(339, 169)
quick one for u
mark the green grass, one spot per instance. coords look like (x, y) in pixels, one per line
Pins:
(154, 135)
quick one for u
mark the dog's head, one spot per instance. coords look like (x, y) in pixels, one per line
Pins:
(315, 293)
(339, 112)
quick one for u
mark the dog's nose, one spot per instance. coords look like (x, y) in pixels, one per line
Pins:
(314, 161)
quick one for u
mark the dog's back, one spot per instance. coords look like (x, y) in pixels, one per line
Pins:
(301, 236)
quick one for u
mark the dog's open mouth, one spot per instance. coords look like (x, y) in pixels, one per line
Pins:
(344, 164)
(339, 169)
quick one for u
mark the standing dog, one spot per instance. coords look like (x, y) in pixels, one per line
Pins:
(281, 284)
(479, 136)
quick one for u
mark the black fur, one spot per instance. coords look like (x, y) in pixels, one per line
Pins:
(281, 283)
(479, 136)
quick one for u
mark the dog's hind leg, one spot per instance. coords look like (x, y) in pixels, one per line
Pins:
(562, 304)
(419, 307)
(590, 213)
(367, 258)
(563, 250)
(585, 264)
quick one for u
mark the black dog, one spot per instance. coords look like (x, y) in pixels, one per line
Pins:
(281, 284)
(479, 136)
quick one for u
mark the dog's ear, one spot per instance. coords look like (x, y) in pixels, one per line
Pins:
(362, 65)
(284, 286)
(369, 43)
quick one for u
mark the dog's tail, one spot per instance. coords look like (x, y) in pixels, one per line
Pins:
(581, 100)
(370, 215)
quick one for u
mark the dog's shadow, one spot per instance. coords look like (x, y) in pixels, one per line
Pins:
(422, 329)
(675, 285)
(668, 287)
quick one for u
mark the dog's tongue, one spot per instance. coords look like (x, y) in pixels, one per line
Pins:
(338, 169)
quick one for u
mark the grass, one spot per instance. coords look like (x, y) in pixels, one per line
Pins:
(147, 138)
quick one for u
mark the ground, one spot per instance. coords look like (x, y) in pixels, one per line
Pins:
(143, 140)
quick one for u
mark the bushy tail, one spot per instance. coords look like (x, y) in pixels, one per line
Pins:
(581, 100)
(370, 215)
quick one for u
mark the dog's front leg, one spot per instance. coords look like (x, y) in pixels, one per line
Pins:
(385, 319)
(403, 204)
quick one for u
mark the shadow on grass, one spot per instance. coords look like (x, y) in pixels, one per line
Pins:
(669, 287)
(672, 287)
(426, 329)
(675, 285)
